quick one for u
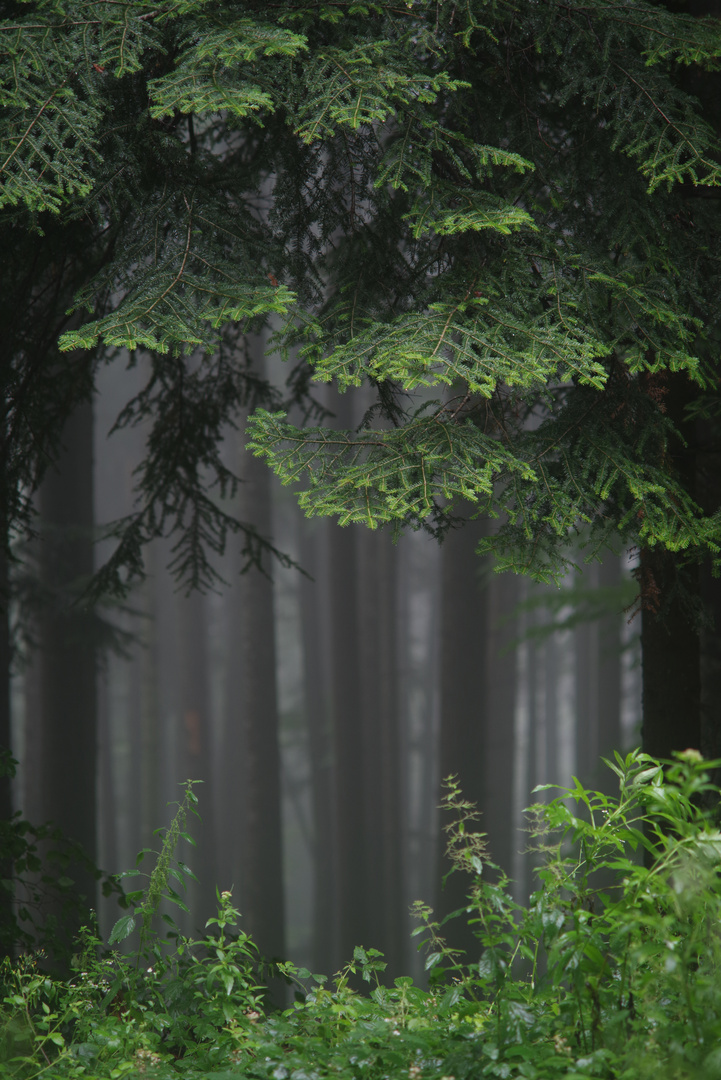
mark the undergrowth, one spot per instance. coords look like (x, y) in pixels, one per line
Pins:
(612, 970)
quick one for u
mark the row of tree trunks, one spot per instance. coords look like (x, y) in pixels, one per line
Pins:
(355, 716)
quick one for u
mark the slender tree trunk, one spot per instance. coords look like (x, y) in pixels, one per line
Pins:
(464, 701)
(669, 591)
(195, 737)
(587, 691)
(598, 683)
(711, 672)
(107, 803)
(68, 702)
(146, 665)
(671, 665)
(522, 744)
(609, 688)
(418, 666)
(252, 751)
(316, 646)
(499, 744)
(345, 696)
(709, 475)
(349, 795)
(383, 791)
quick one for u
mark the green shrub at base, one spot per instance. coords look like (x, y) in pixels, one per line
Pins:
(611, 971)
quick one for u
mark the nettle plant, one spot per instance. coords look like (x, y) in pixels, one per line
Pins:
(610, 970)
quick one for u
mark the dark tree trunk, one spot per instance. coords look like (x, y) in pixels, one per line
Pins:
(598, 684)
(586, 699)
(463, 701)
(669, 593)
(499, 743)
(68, 706)
(711, 671)
(609, 680)
(671, 664)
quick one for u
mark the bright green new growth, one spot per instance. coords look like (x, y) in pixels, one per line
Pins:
(612, 969)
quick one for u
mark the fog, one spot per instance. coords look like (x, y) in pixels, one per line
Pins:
(322, 705)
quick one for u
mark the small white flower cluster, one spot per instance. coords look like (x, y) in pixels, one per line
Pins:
(144, 1058)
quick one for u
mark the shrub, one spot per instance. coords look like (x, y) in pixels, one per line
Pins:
(611, 970)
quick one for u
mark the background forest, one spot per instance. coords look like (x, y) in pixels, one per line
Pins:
(413, 654)
(452, 275)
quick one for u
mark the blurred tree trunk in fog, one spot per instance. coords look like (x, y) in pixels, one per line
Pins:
(108, 795)
(347, 741)
(598, 682)
(463, 700)
(497, 821)
(345, 685)
(146, 665)
(195, 737)
(134, 729)
(418, 666)
(609, 697)
(67, 661)
(250, 827)
(314, 605)
(537, 763)
(587, 675)
(383, 790)
(551, 672)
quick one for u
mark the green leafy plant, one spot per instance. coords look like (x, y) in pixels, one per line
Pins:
(610, 971)
(146, 902)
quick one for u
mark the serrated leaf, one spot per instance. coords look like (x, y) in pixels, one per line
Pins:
(123, 928)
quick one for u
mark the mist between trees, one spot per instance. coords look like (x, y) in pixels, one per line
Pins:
(320, 708)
